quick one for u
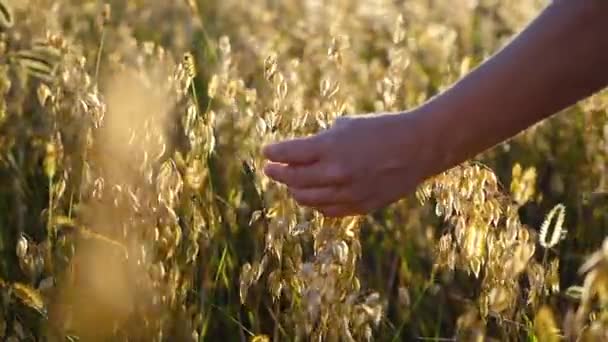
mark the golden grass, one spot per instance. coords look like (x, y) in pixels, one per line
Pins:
(133, 206)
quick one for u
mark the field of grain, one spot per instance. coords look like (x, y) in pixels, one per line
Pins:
(133, 206)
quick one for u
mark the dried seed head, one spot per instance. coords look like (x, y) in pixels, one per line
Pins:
(399, 32)
(106, 14)
(195, 174)
(189, 65)
(246, 280)
(281, 90)
(22, 247)
(225, 47)
(557, 233)
(212, 88)
(44, 93)
(50, 159)
(270, 66)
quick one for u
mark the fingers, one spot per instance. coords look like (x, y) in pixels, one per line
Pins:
(338, 211)
(335, 201)
(296, 151)
(317, 197)
(307, 176)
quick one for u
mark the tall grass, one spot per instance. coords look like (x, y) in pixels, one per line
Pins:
(132, 205)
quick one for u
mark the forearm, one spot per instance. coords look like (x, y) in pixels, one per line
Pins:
(559, 59)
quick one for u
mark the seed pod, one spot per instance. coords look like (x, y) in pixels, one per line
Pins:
(275, 284)
(209, 139)
(22, 247)
(44, 93)
(246, 280)
(169, 183)
(50, 159)
(340, 251)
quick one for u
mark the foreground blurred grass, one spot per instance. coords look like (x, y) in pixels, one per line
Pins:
(133, 208)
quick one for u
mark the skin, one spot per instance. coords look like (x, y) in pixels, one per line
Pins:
(366, 162)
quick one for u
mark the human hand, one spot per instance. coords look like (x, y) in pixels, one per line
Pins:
(360, 164)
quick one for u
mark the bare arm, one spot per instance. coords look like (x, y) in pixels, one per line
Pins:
(366, 162)
(561, 58)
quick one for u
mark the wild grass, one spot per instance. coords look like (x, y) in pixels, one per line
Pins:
(133, 206)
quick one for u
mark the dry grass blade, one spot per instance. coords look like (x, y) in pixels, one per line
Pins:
(6, 15)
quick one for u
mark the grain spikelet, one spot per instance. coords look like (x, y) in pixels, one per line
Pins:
(558, 231)
(106, 14)
(30, 297)
(245, 282)
(43, 93)
(189, 65)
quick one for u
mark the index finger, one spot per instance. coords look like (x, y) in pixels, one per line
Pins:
(296, 151)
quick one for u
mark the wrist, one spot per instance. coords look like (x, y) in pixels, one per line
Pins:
(425, 135)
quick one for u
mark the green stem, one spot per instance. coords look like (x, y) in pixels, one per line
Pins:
(84, 157)
(195, 96)
(49, 224)
(71, 204)
(99, 53)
